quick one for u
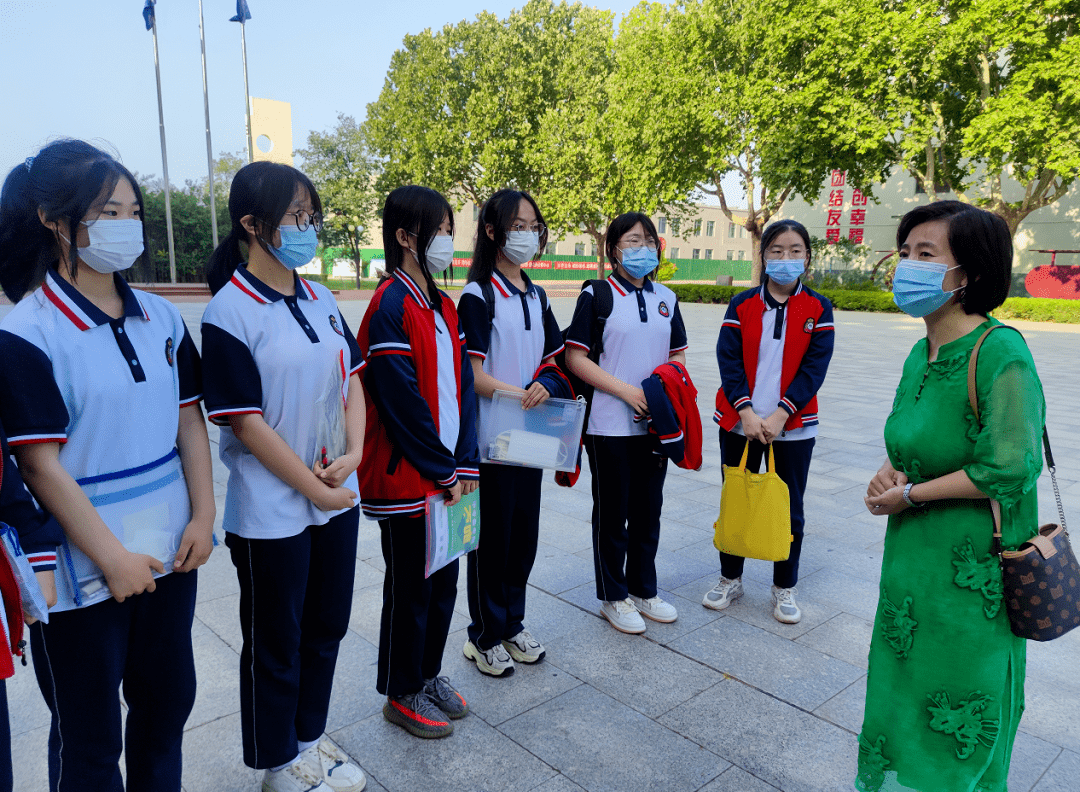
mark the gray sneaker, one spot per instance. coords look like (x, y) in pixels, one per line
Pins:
(418, 715)
(786, 610)
(723, 593)
(524, 648)
(443, 695)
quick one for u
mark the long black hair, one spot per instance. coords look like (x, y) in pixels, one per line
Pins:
(420, 211)
(499, 212)
(618, 228)
(264, 190)
(67, 181)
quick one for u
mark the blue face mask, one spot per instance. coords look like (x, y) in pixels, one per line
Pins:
(297, 247)
(785, 271)
(639, 262)
(917, 287)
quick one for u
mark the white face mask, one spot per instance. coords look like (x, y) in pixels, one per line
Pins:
(440, 253)
(114, 245)
(521, 246)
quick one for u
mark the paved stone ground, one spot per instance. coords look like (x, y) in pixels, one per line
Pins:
(731, 702)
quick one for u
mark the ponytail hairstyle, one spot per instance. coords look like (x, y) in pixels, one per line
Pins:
(69, 181)
(419, 211)
(264, 190)
(499, 212)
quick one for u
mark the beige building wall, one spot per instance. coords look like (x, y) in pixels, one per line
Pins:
(272, 120)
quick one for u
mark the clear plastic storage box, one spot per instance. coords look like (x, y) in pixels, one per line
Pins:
(546, 436)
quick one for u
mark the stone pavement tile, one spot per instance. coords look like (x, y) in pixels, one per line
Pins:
(772, 740)
(30, 758)
(735, 779)
(709, 495)
(674, 569)
(675, 535)
(580, 733)
(798, 674)
(366, 612)
(559, 783)
(844, 637)
(26, 707)
(367, 575)
(214, 758)
(846, 709)
(1030, 759)
(631, 669)
(549, 617)
(222, 616)
(498, 699)
(475, 758)
(1053, 690)
(755, 607)
(569, 534)
(354, 696)
(838, 505)
(855, 561)
(573, 501)
(368, 541)
(556, 571)
(217, 577)
(854, 532)
(850, 594)
(826, 482)
(217, 674)
(689, 511)
(1062, 775)
(679, 483)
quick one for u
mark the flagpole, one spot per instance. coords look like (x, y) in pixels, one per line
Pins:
(164, 158)
(209, 148)
(247, 92)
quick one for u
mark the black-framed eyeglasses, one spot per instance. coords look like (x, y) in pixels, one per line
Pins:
(536, 228)
(305, 220)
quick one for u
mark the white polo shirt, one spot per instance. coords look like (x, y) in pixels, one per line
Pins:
(277, 356)
(514, 343)
(109, 390)
(644, 328)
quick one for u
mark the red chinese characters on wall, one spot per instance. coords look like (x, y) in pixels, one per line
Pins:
(835, 210)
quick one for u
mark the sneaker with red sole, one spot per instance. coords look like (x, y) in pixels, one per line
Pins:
(418, 715)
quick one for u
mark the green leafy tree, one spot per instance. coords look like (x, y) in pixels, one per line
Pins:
(343, 170)
(985, 99)
(192, 236)
(710, 88)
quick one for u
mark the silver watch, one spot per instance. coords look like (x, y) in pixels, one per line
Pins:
(907, 497)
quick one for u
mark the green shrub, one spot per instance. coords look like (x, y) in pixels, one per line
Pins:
(1040, 309)
(700, 293)
(844, 300)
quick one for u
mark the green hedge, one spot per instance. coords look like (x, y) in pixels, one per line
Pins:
(1029, 308)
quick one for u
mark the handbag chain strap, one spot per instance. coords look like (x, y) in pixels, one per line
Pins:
(995, 507)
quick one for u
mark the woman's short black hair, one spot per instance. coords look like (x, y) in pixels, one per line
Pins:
(68, 181)
(264, 190)
(499, 212)
(981, 244)
(773, 230)
(420, 211)
(618, 228)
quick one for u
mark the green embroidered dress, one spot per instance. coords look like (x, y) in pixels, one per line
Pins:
(945, 689)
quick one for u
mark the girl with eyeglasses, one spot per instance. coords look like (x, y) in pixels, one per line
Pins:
(281, 373)
(643, 330)
(100, 391)
(512, 338)
(421, 438)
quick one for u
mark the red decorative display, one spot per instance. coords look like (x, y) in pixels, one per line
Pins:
(833, 218)
(858, 217)
(857, 198)
(832, 235)
(837, 178)
(855, 235)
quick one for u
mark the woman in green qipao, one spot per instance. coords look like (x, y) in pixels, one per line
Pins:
(945, 689)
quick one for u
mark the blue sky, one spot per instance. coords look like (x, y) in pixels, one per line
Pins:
(85, 68)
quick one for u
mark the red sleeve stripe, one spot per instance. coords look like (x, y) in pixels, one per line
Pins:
(787, 403)
(41, 558)
(740, 402)
(577, 344)
(191, 401)
(557, 351)
(358, 369)
(671, 438)
(37, 438)
(731, 323)
(683, 348)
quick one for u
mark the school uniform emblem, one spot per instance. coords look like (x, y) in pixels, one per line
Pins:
(169, 351)
(334, 324)
(808, 326)
(663, 309)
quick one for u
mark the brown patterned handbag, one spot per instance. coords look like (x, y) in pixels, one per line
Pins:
(1041, 577)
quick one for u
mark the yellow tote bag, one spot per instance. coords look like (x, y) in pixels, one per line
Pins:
(755, 513)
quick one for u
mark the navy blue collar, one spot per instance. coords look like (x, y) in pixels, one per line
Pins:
(629, 287)
(770, 301)
(83, 313)
(258, 290)
(508, 288)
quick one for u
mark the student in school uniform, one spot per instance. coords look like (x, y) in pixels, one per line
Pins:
(281, 379)
(100, 397)
(511, 335)
(39, 536)
(773, 351)
(644, 330)
(421, 438)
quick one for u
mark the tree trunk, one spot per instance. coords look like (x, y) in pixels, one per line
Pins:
(598, 238)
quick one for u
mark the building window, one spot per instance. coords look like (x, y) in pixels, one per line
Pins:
(579, 248)
(742, 255)
(709, 228)
(696, 254)
(731, 255)
(592, 249)
(742, 232)
(674, 253)
(697, 228)
(661, 225)
(731, 230)
(708, 253)
(550, 249)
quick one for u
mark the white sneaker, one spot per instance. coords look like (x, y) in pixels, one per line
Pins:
(723, 593)
(495, 661)
(524, 648)
(300, 776)
(656, 609)
(338, 771)
(786, 609)
(623, 615)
